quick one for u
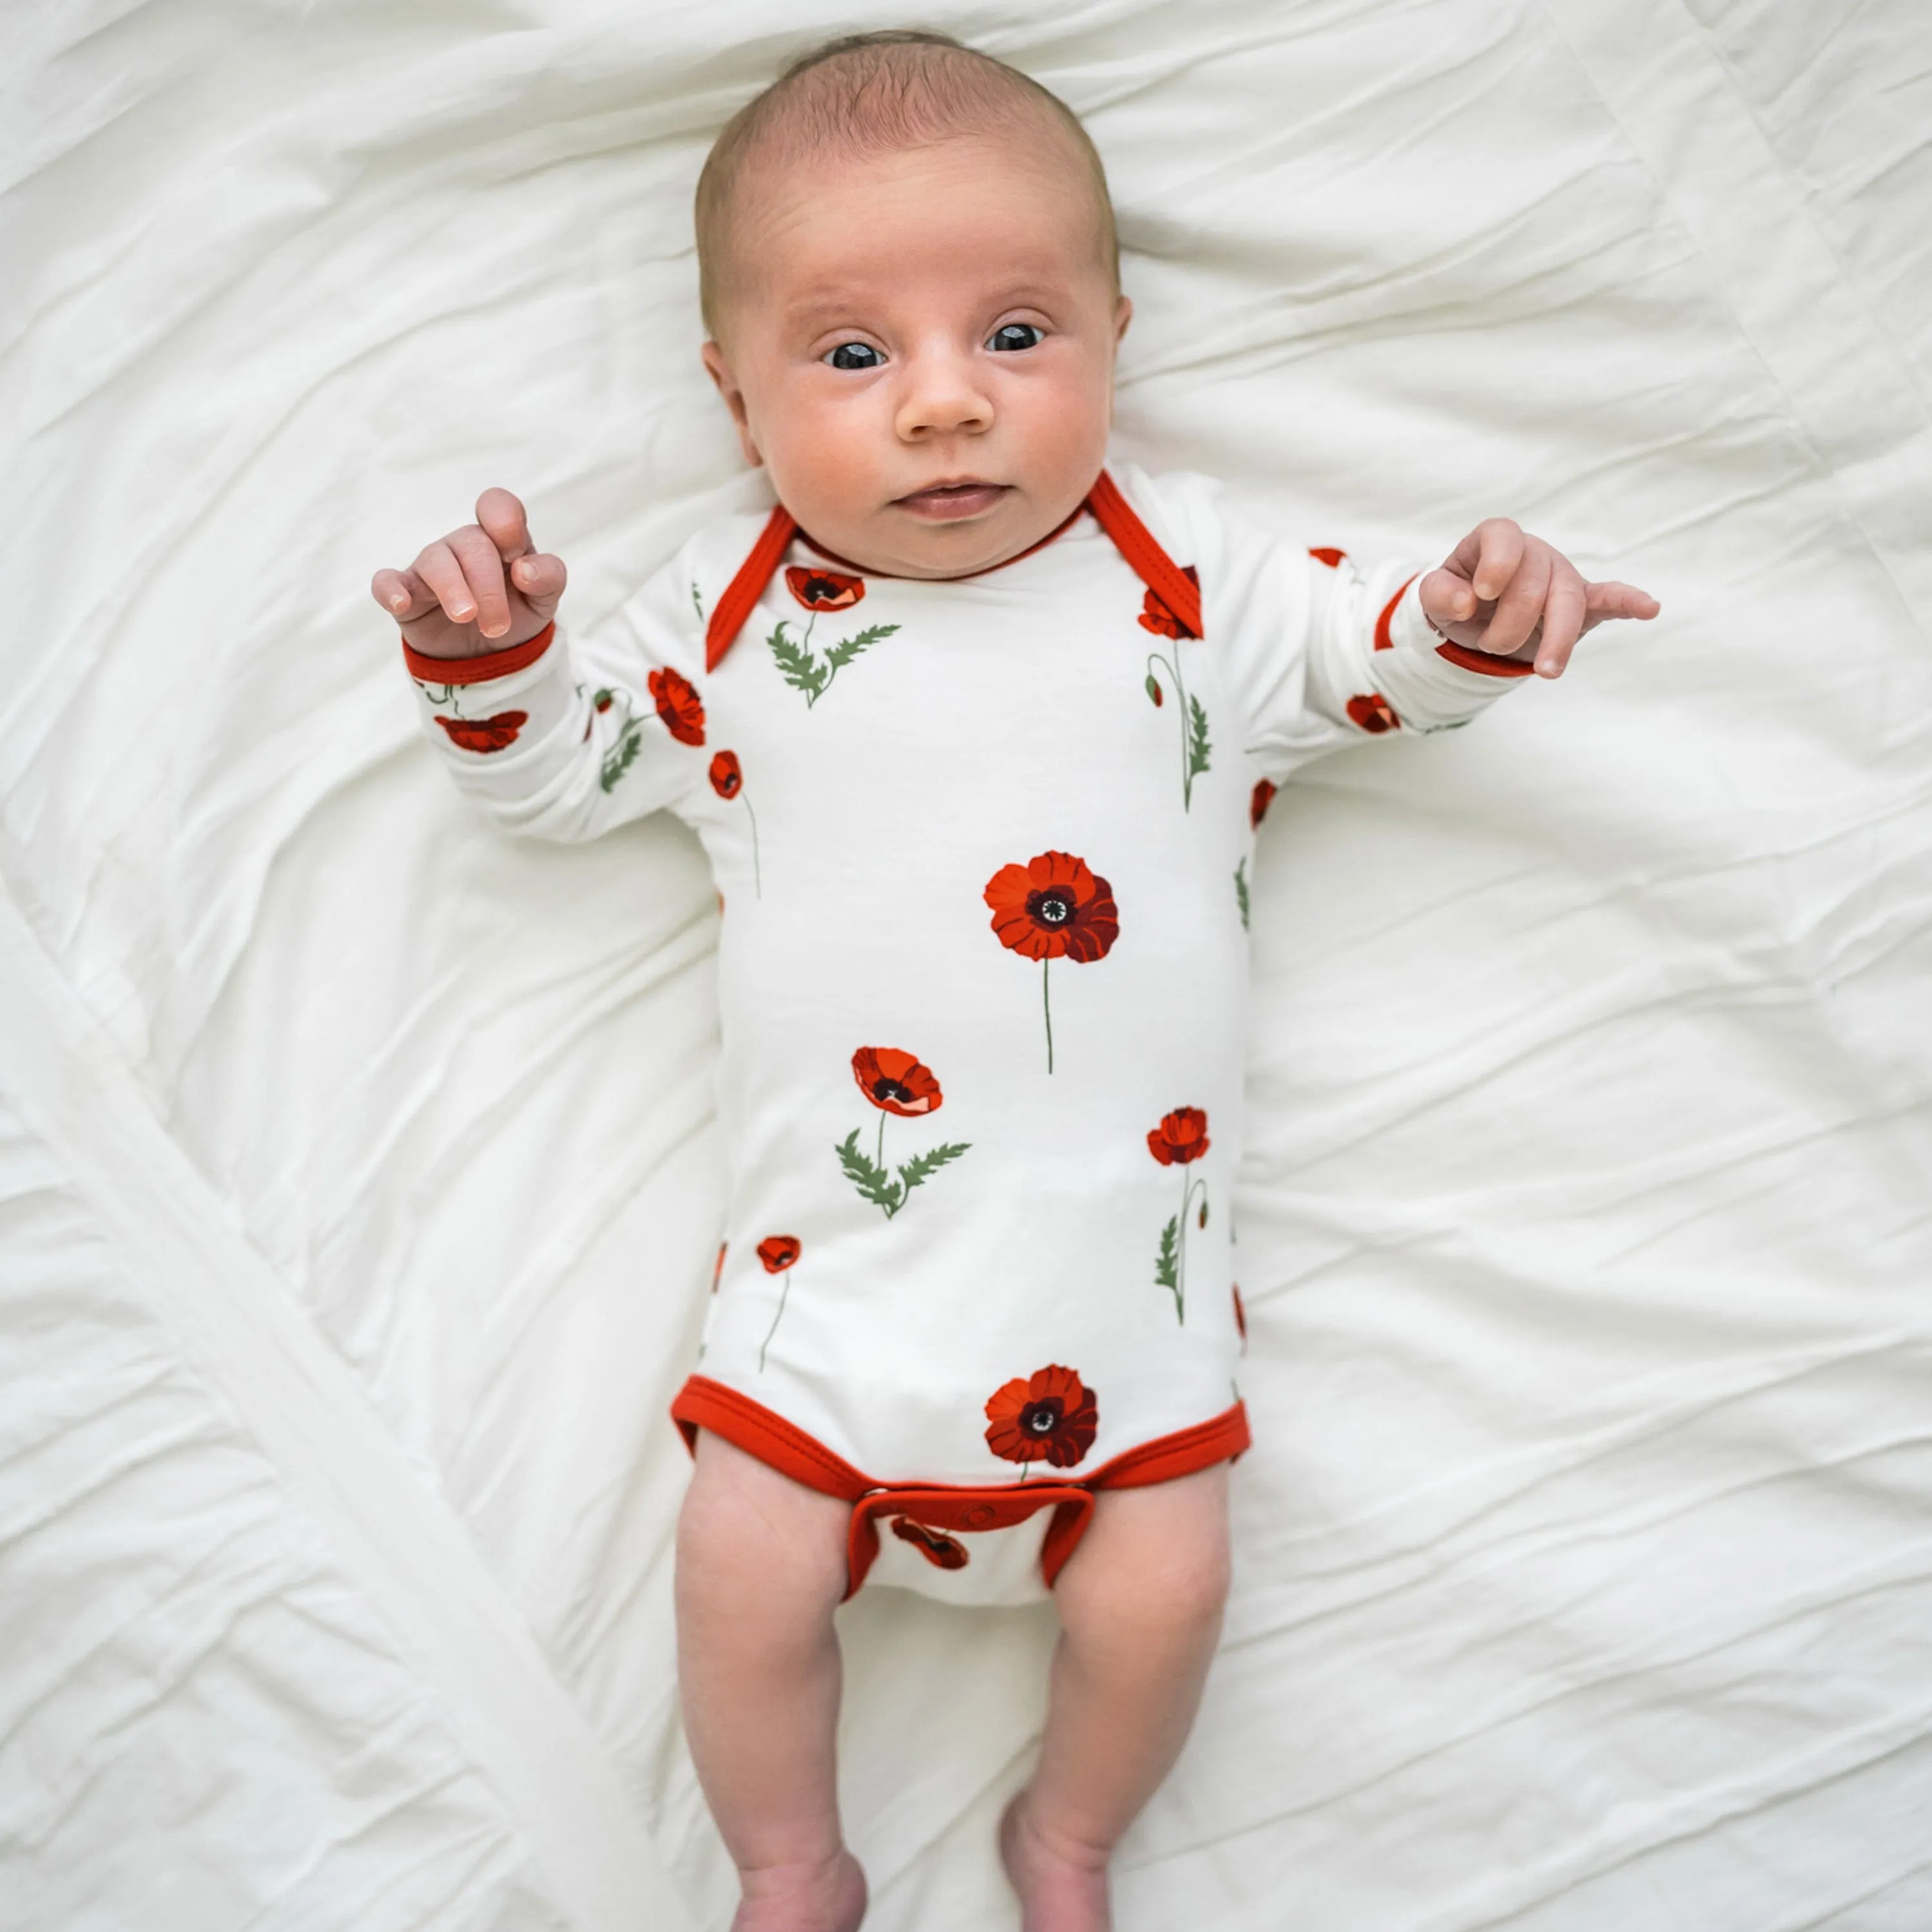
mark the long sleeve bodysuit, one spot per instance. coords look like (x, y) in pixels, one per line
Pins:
(983, 846)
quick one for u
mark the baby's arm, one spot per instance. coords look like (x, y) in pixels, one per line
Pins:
(554, 738)
(1393, 650)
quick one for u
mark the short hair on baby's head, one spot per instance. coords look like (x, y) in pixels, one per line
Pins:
(871, 93)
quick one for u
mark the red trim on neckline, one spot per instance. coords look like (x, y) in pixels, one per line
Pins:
(1137, 544)
(1148, 561)
(478, 670)
(741, 594)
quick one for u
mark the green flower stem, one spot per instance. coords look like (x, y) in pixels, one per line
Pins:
(879, 1155)
(783, 1291)
(1180, 704)
(757, 878)
(1046, 1001)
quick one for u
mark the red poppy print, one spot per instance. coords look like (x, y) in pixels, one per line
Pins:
(948, 1553)
(823, 589)
(896, 1082)
(484, 734)
(1333, 558)
(1180, 1141)
(820, 591)
(677, 699)
(1195, 750)
(778, 1252)
(1053, 908)
(1181, 1137)
(1050, 1416)
(1259, 800)
(1374, 713)
(1156, 617)
(728, 781)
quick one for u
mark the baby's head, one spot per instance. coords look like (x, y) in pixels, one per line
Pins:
(910, 280)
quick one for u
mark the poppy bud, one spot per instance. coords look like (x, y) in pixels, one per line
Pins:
(1153, 690)
(1202, 1222)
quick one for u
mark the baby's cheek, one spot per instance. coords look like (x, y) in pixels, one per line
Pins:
(831, 462)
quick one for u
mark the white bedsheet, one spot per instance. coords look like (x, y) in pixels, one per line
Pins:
(1583, 1556)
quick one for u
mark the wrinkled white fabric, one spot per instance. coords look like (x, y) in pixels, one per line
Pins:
(361, 1185)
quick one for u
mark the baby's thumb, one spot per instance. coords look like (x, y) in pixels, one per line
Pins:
(539, 579)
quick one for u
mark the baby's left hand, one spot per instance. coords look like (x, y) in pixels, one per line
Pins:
(1503, 591)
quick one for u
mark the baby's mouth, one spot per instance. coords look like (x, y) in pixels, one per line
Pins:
(946, 503)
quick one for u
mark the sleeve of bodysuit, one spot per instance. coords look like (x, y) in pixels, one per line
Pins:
(564, 737)
(1316, 652)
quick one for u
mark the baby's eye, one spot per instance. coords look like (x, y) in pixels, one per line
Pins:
(855, 355)
(1016, 335)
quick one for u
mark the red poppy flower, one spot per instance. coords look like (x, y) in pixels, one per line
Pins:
(778, 1251)
(1049, 1416)
(1240, 1318)
(1181, 1137)
(934, 1545)
(677, 699)
(727, 775)
(1332, 558)
(1156, 617)
(1374, 713)
(1259, 800)
(1053, 906)
(894, 1082)
(824, 590)
(485, 734)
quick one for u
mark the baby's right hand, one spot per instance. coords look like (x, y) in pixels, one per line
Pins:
(483, 588)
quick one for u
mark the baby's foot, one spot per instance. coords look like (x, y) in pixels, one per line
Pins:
(1062, 1888)
(829, 1897)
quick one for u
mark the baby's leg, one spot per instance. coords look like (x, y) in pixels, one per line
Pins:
(1140, 1605)
(760, 1567)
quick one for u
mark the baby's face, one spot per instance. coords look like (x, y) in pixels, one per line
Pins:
(919, 347)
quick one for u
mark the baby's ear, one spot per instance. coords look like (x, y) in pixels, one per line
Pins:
(719, 371)
(1123, 313)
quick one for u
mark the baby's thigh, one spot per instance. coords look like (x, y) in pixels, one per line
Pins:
(1158, 1554)
(748, 1536)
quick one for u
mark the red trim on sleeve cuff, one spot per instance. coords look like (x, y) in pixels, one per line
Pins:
(1384, 642)
(1482, 663)
(479, 670)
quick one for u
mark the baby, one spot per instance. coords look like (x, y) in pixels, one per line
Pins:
(975, 732)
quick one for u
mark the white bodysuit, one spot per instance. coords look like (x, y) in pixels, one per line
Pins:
(983, 846)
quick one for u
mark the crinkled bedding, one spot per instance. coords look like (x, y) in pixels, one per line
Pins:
(357, 1182)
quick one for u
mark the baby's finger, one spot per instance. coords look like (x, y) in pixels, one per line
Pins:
(1519, 606)
(438, 569)
(1564, 612)
(402, 594)
(1618, 600)
(1447, 598)
(501, 518)
(541, 579)
(1500, 545)
(484, 568)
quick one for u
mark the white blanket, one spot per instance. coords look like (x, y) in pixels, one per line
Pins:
(1584, 1573)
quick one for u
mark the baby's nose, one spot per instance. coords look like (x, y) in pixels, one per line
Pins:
(941, 399)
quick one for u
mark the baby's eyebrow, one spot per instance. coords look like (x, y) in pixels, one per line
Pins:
(826, 307)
